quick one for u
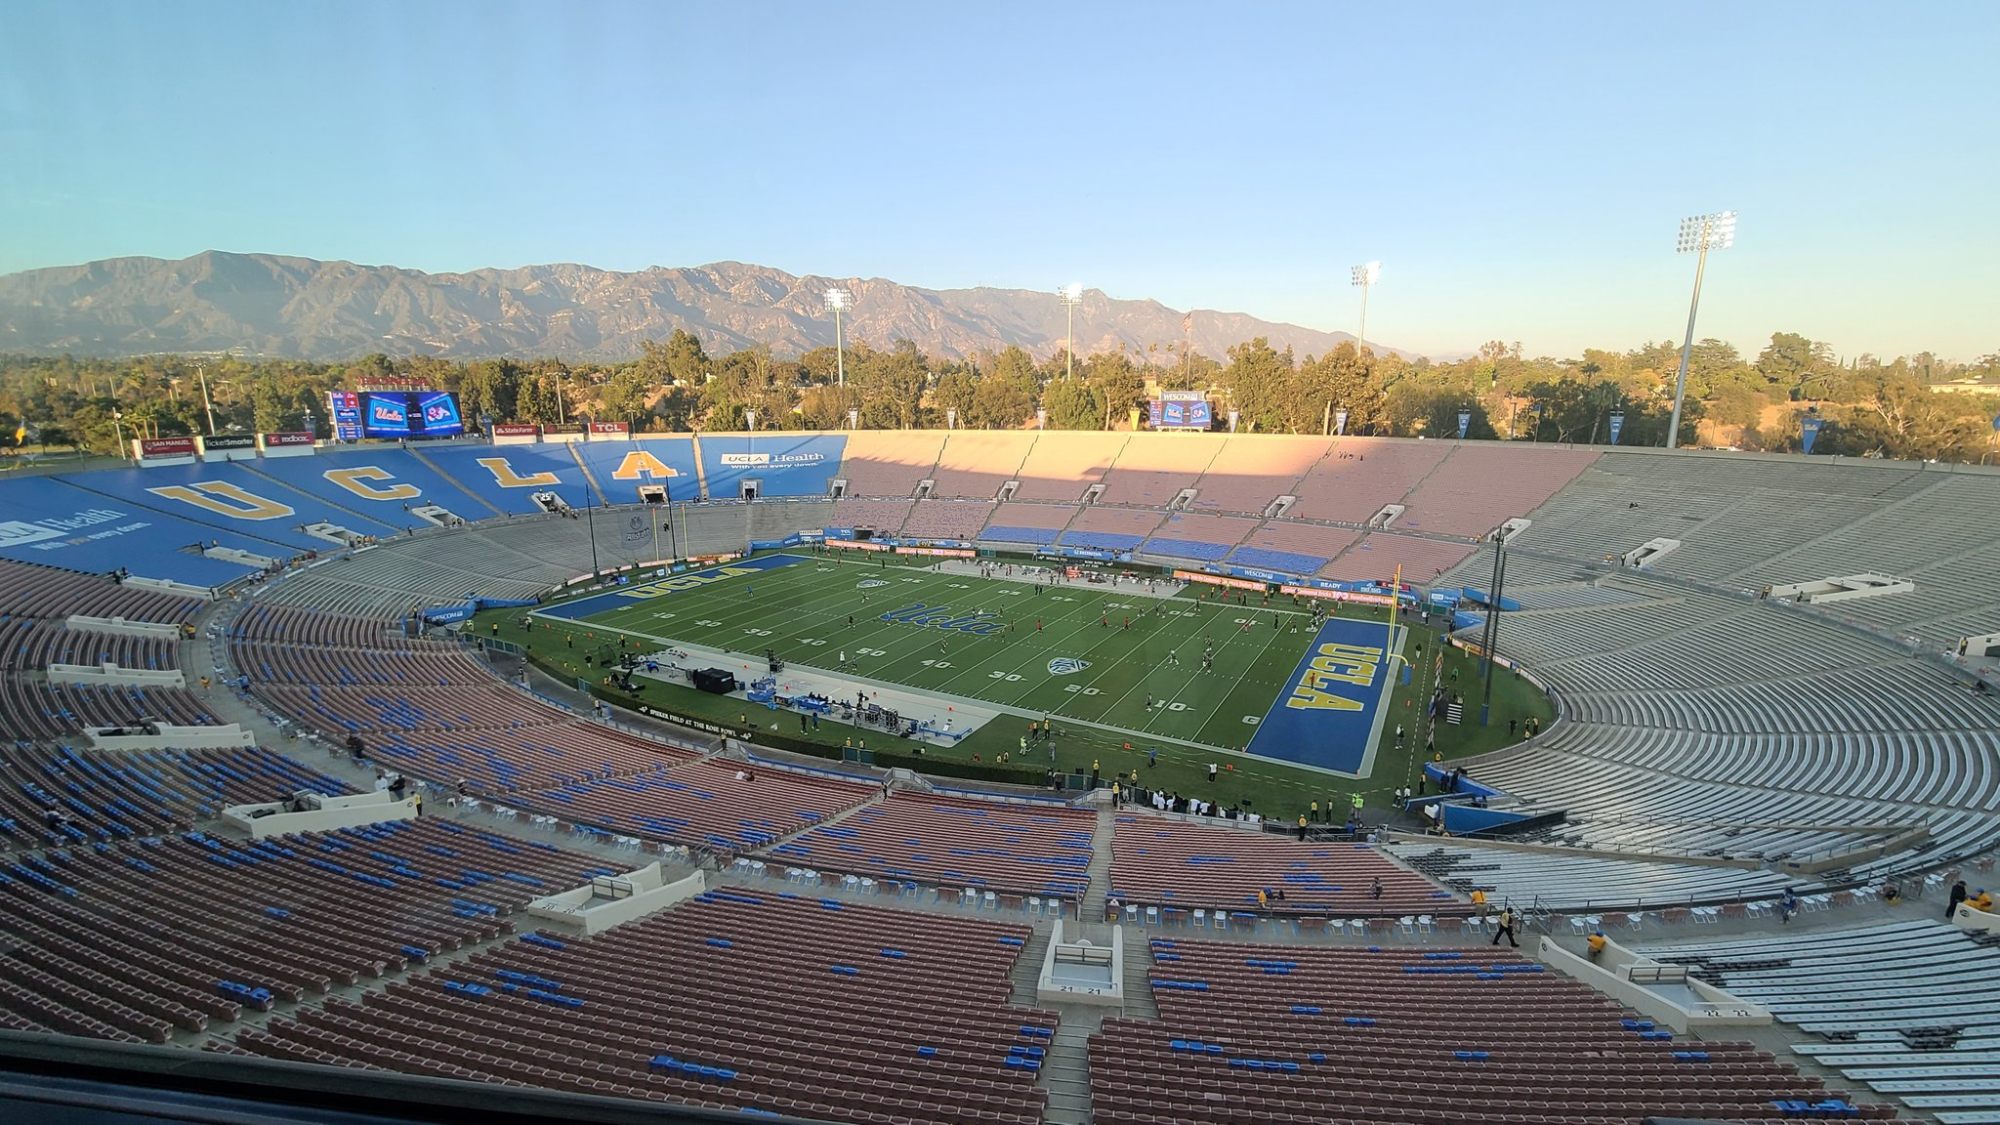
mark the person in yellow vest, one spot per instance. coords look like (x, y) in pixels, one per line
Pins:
(1302, 826)
(1114, 792)
(1596, 943)
(1315, 812)
(1263, 899)
(1982, 901)
(1479, 903)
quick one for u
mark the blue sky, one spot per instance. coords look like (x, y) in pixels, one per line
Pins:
(1519, 169)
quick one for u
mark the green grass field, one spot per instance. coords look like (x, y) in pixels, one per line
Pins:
(802, 612)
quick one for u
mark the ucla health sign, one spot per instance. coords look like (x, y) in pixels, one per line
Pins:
(1334, 703)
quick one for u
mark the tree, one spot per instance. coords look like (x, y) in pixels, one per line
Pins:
(626, 396)
(1073, 405)
(1789, 357)
(955, 391)
(1342, 379)
(1118, 383)
(1259, 380)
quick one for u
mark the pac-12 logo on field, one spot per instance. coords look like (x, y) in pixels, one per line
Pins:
(1067, 666)
(870, 584)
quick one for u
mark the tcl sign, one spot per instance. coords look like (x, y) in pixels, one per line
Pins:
(608, 427)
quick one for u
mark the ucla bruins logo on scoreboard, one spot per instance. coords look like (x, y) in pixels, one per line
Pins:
(1067, 666)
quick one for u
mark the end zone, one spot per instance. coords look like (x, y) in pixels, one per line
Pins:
(1332, 712)
(626, 595)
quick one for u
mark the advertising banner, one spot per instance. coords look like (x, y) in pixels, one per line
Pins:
(1219, 580)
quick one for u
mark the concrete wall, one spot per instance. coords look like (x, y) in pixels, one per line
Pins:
(651, 893)
(177, 738)
(1969, 917)
(119, 625)
(1049, 990)
(350, 811)
(112, 674)
(1608, 974)
(171, 587)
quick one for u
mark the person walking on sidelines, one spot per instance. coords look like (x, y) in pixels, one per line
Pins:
(1506, 928)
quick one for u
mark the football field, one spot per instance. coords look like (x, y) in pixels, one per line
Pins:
(1168, 666)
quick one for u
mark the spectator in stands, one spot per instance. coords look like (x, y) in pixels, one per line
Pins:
(1506, 928)
(1958, 895)
(1981, 901)
(1788, 905)
(1479, 903)
(1375, 891)
(1596, 943)
(55, 819)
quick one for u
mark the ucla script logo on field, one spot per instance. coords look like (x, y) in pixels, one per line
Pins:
(1067, 666)
(944, 617)
(870, 584)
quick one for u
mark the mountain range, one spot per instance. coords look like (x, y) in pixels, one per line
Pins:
(266, 305)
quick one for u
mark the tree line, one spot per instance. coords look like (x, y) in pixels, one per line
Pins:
(1869, 406)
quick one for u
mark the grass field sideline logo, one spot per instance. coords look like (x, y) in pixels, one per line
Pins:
(1067, 666)
(870, 584)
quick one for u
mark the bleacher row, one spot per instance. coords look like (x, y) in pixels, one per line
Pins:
(731, 1001)
(135, 939)
(1181, 867)
(1285, 1034)
(1906, 1007)
(35, 602)
(1698, 725)
(105, 796)
(1449, 491)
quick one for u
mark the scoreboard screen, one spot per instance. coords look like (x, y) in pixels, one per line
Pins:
(399, 414)
(1181, 410)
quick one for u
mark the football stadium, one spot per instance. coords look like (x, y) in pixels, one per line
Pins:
(1013, 776)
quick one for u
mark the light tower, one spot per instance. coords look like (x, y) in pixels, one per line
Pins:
(838, 300)
(1699, 234)
(1071, 296)
(1365, 276)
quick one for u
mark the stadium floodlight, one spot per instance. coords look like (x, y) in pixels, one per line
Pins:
(1365, 276)
(1699, 235)
(838, 300)
(1071, 296)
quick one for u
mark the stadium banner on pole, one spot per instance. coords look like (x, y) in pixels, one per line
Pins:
(1333, 705)
(1617, 425)
(1464, 423)
(1340, 423)
(1809, 428)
